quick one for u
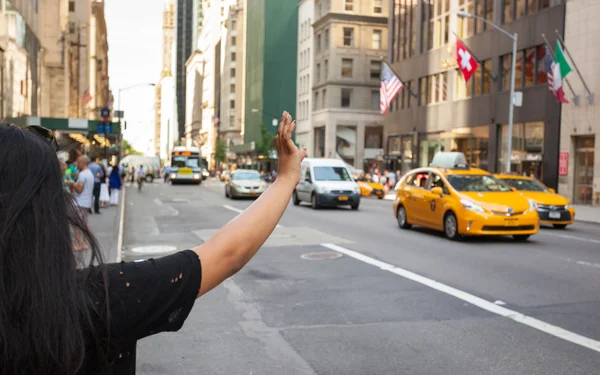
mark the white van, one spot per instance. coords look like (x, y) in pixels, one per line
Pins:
(326, 182)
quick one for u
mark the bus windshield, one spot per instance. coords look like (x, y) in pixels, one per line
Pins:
(185, 162)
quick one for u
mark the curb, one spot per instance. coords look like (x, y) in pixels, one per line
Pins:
(121, 227)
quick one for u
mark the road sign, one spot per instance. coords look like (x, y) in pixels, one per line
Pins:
(105, 112)
(101, 128)
(119, 114)
(563, 164)
(108, 127)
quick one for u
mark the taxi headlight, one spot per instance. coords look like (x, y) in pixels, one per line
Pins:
(205, 174)
(196, 176)
(532, 205)
(568, 205)
(357, 190)
(173, 175)
(468, 205)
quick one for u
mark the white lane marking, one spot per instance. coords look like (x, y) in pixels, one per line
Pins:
(239, 211)
(474, 300)
(158, 202)
(584, 263)
(121, 227)
(567, 236)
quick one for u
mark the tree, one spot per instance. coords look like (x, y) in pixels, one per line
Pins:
(267, 143)
(128, 149)
(220, 151)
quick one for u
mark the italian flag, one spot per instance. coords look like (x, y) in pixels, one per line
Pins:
(560, 69)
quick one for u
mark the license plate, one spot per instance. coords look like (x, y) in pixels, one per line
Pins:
(252, 192)
(342, 198)
(185, 171)
(510, 222)
(554, 215)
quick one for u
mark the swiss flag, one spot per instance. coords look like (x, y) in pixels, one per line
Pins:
(466, 63)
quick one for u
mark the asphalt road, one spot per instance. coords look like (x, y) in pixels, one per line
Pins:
(390, 301)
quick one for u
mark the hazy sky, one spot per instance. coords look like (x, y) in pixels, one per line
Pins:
(135, 57)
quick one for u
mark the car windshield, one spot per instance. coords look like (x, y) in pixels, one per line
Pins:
(477, 183)
(525, 185)
(185, 162)
(332, 174)
(246, 176)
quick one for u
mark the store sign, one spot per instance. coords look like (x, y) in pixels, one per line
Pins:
(563, 164)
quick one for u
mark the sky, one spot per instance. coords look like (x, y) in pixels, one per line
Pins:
(135, 57)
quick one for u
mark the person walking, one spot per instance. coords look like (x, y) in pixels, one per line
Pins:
(83, 321)
(115, 182)
(98, 175)
(83, 192)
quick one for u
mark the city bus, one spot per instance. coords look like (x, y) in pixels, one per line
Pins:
(186, 165)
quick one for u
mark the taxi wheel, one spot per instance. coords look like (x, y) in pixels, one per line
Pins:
(295, 199)
(521, 237)
(402, 222)
(559, 226)
(451, 227)
(226, 193)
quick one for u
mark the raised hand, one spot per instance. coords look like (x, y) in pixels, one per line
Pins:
(289, 156)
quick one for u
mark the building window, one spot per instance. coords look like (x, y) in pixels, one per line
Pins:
(346, 98)
(439, 23)
(72, 27)
(487, 78)
(530, 66)
(233, 40)
(233, 24)
(318, 73)
(540, 69)
(376, 39)
(232, 88)
(466, 26)
(409, 85)
(326, 39)
(232, 104)
(71, 6)
(316, 101)
(231, 121)
(349, 5)
(507, 11)
(375, 69)
(377, 6)
(478, 85)
(442, 87)
(318, 43)
(375, 100)
(324, 105)
(423, 90)
(232, 72)
(326, 70)
(347, 68)
(348, 36)
(232, 56)
(529, 69)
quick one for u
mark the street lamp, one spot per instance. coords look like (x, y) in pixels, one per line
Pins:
(275, 121)
(120, 112)
(512, 81)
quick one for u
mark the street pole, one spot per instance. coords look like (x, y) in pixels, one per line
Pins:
(511, 105)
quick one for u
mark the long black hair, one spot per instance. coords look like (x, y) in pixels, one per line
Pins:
(46, 314)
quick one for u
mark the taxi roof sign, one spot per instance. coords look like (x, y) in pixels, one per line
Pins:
(453, 160)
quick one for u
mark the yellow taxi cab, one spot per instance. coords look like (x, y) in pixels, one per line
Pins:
(553, 209)
(461, 201)
(369, 188)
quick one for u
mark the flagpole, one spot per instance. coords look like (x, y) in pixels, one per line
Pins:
(410, 91)
(564, 47)
(549, 49)
(476, 59)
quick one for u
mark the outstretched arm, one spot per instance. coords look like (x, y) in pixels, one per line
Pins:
(237, 242)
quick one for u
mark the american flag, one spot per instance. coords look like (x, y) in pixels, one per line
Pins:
(86, 97)
(389, 88)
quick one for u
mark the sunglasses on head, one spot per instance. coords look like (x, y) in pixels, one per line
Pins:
(45, 133)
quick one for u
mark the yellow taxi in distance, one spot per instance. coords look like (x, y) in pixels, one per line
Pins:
(462, 201)
(368, 188)
(553, 209)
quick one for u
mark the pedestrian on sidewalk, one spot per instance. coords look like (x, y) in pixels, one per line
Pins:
(98, 175)
(70, 321)
(115, 182)
(83, 192)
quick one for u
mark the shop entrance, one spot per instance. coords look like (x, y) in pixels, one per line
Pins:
(584, 169)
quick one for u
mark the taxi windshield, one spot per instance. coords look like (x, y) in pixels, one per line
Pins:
(481, 183)
(185, 162)
(249, 175)
(525, 185)
(332, 174)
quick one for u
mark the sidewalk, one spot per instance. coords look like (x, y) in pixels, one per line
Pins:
(106, 229)
(587, 214)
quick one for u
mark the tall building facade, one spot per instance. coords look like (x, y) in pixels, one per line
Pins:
(168, 39)
(231, 111)
(98, 62)
(437, 110)
(304, 135)
(184, 45)
(22, 58)
(579, 158)
(270, 82)
(350, 37)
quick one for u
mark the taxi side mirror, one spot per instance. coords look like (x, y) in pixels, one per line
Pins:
(437, 191)
(513, 189)
(551, 190)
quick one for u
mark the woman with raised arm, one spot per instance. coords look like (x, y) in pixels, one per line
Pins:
(58, 319)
